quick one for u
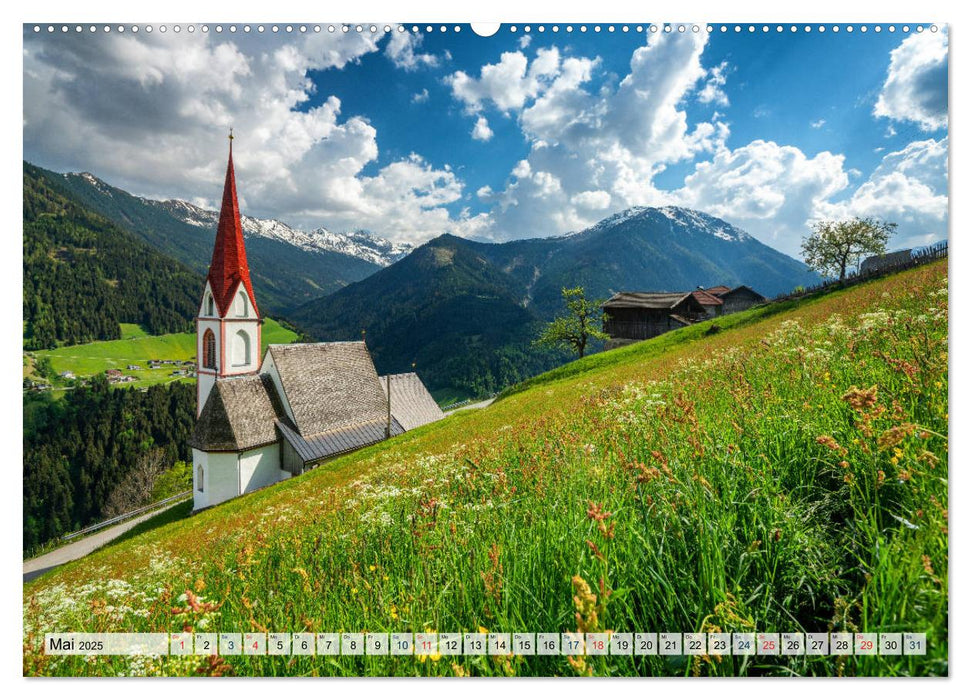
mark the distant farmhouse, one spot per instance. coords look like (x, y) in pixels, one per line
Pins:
(877, 263)
(634, 316)
(262, 420)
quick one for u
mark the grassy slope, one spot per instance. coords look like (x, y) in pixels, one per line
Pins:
(137, 347)
(724, 484)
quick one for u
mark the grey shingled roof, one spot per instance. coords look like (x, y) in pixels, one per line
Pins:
(646, 300)
(329, 385)
(338, 441)
(239, 414)
(411, 404)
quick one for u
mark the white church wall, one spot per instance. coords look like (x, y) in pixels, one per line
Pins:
(259, 468)
(223, 476)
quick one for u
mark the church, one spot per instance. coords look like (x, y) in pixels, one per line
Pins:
(264, 419)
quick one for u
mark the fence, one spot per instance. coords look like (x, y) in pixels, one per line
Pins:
(125, 516)
(921, 256)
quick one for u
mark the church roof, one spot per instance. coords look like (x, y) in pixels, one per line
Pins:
(240, 414)
(229, 268)
(411, 404)
(329, 385)
(340, 440)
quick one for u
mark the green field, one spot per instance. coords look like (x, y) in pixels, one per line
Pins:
(137, 347)
(787, 474)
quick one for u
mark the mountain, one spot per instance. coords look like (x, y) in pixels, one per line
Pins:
(465, 312)
(356, 244)
(284, 274)
(446, 308)
(83, 275)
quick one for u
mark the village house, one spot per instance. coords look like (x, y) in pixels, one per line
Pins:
(262, 420)
(633, 316)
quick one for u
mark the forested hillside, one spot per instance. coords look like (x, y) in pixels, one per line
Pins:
(83, 274)
(79, 448)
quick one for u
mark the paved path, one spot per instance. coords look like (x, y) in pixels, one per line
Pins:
(44, 563)
(480, 404)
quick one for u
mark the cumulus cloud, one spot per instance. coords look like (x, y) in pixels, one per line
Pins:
(713, 91)
(402, 50)
(420, 97)
(768, 189)
(150, 114)
(909, 188)
(916, 86)
(592, 150)
(776, 191)
(506, 85)
(481, 130)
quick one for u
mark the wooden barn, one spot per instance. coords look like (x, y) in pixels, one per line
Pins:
(633, 316)
(738, 299)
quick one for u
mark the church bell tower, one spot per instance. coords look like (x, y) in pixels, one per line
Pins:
(228, 325)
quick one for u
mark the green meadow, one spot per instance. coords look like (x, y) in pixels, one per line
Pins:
(136, 347)
(788, 473)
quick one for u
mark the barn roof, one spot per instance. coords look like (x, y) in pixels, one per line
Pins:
(706, 299)
(239, 414)
(741, 288)
(411, 404)
(649, 300)
(720, 289)
(329, 385)
(338, 441)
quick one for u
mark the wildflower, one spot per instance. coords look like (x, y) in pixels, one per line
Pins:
(585, 602)
(926, 560)
(829, 442)
(596, 551)
(861, 399)
(894, 436)
(372, 567)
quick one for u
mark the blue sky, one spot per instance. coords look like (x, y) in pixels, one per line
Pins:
(412, 134)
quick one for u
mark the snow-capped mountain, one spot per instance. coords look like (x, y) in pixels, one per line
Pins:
(679, 218)
(357, 244)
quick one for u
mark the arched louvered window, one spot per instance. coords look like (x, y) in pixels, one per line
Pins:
(199, 475)
(241, 349)
(209, 349)
(210, 306)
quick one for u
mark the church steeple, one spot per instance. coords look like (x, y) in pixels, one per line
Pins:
(228, 327)
(229, 267)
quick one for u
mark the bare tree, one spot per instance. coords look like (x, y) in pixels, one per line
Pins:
(135, 490)
(834, 246)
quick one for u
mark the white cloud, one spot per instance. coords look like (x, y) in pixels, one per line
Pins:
(401, 49)
(714, 86)
(156, 125)
(481, 130)
(776, 192)
(525, 40)
(909, 188)
(420, 97)
(591, 149)
(916, 86)
(765, 188)
(507, 85)
(818, 124)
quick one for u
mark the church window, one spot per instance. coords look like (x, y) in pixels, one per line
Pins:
(210, 306)
(241, 305)
(209, 349)
(241, 349)
(199, 475)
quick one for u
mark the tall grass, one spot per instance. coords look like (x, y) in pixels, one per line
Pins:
(790, 475)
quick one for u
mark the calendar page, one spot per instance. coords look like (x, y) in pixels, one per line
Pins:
(446, 349)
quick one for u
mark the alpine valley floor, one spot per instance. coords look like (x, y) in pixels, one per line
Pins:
(788, 473)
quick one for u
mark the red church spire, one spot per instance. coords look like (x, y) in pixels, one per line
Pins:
(229, 267)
